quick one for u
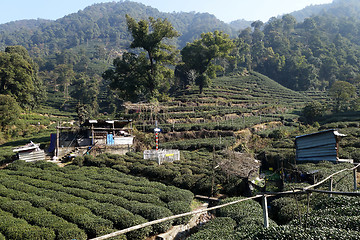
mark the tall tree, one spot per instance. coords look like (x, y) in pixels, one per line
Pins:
(342, 93)
(200, 55)
(86, 91)
(9, 111)
(18, 77)
(149, 36)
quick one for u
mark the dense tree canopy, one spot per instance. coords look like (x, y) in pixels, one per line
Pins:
(143, 75)
(18, 77)
(303, 55)
(200, 55)
(9, 111)
(342, 93)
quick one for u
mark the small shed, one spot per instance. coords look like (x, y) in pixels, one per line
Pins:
(95, 136)
(31, 152)
(320, 146)
(162, 155)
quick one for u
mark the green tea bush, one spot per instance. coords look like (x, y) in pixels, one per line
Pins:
(178, 207)
(285, 209)
(152, 212)
(79, 161)
(42, 218)
(19, 229)
(219, 228)
(289, 232)
(329, 221)
(174, 194)
(249, 226)
(238, 211)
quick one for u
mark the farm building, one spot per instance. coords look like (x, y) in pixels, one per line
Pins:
(93, 136)
(320, 146)
(31, 152)
(162, 155)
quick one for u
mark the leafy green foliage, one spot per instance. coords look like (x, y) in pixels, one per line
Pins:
(313, 111)
(240, 210)
(342, 93)
(285, 209)
(312, 54)
(19, 77)
(295, 232)
(200, 55)
(15, 228)
(9, 110)
(97, 200)
(219, 228)
(143, 76)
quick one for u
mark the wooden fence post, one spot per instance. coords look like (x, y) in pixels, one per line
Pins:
(331, 186)
(355, 179)
(265, 211)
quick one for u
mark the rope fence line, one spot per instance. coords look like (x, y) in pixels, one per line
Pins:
(264, 197)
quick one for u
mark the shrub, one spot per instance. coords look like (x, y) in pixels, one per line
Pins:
(178, 207)
(79, 161)
(19, 229)
(152, 212)
(249, 226)
(288, 232)
(175, 194)
(285, 209)
(240, 210)
(220, 228)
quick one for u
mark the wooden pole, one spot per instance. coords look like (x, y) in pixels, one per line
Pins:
(307, 209)
(331, 186)
(92, 135)
(57, 139)
(355, 179)
(265, 211)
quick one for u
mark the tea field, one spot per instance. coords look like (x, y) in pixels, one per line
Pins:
(43, 201)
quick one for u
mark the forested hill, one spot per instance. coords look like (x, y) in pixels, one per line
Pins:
(314, 53)
(339, 8)
(102, 23)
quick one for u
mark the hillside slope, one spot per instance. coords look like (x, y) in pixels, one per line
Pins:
(102, 23)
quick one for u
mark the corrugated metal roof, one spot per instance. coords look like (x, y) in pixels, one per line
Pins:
(32, 156)
(334, 131)
(320, 146)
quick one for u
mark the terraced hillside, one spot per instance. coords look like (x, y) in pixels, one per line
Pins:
(232, 104)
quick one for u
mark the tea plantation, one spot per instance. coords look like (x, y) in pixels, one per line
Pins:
(243, 113)
(43, 201)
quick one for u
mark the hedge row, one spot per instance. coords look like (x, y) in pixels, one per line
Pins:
(41, 182)
(19, 229)
(66, 182)
(43, 218)
(193, 172)
(286, 209)
(81, 216)
(221, 228)
(288, 232)
(241, 210)
(146, 210)
(119, 216)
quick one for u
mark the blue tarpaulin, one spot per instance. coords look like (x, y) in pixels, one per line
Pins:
(52, 142)
(110, 139)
